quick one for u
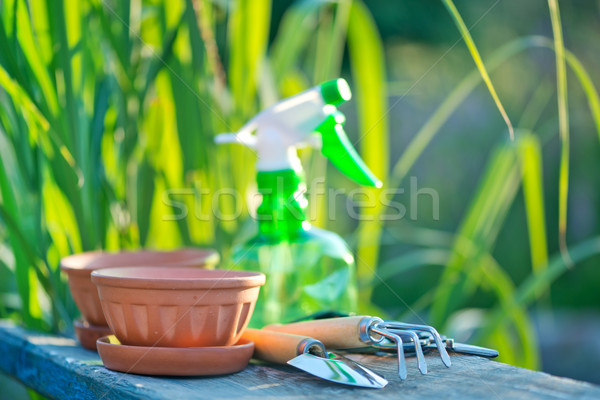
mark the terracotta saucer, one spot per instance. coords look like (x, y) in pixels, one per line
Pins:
(87, 334)
(179, 361)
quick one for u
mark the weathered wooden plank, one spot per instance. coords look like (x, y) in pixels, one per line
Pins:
(60, 369)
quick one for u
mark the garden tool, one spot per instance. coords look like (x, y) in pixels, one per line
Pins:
(426, 342)
(395, 326)
(358, 331)
(310, 355)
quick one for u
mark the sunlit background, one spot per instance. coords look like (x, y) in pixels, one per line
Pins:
(105, 105)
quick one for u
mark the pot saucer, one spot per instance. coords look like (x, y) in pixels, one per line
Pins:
(87, 334)
(179, 361)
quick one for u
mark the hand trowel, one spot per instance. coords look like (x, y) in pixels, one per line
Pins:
(309, 355)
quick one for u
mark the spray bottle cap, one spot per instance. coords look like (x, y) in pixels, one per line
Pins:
(335, 92)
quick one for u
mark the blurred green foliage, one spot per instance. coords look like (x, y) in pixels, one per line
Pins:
(109, 109)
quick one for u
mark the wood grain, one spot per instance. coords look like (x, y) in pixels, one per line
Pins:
(60, 369)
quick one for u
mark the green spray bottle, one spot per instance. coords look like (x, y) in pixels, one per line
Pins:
(308, 269)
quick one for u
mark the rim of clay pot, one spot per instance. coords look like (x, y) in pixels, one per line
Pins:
(174, 278)
(85, 263)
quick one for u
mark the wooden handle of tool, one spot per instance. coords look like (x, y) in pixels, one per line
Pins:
(275, 347)
(334, 333)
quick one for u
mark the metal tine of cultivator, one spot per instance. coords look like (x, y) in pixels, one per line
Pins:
(402, 372)
(396, 327)
(421, 363)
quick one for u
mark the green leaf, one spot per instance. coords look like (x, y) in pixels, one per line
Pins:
(59, 218)
(450, 104)
(464, 31)
(563, 125)
(534, 285)
(31, 51)
(249, 34)
(330, 35)
(295, 30)
(8, 211)
(533, 193)
(457, 96)
(478, 231)
(410, 261)
(21, 99)
(495, 279)
(588, 87)
(369, 76)
(526, 355)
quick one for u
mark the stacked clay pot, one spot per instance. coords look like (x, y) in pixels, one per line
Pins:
(79, 267)
(176, 320)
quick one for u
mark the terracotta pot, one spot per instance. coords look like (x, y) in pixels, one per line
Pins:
(88, 334)
(177, 307)
(80, 266)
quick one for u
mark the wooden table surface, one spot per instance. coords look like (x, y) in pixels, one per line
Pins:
(58, 368)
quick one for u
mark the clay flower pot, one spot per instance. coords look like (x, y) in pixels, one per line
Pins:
(80, 266)
(87, 334)
(177, 307)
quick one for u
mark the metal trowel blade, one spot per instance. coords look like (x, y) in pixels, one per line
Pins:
(337, 371)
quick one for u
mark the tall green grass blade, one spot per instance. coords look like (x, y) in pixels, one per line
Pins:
(208, 69)
(464, 31)
(8, 209)
(494, 278)
(22, 215)
(21, 99)
(331, 34)
(526, 355)
(530, 289)
(563, 125)
(164, 233)
(296, 28)
(30, 50)
(248, 30)
(204, 30)
(8, 50)
(428, 131)
(582, 76)
(522, 351)
(478, 231)
(533, 193)
(321, 55)
(73, 116)
(418, 236)
(368, 69)
(72, 23)
(337, 38)
(450, 104)
(118, 56)
(248, 39)
(533, 111)
(158, 63)
(59, 218)
(411, 260)
(588, 87)
(26, 267)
